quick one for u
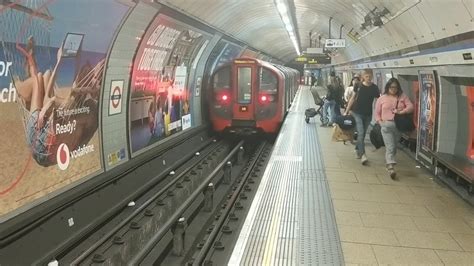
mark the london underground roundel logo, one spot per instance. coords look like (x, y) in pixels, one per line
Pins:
(62, 156)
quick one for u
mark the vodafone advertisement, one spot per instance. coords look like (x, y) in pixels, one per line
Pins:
(160, 98)
(52, 61)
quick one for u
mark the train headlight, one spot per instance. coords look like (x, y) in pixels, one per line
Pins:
(222, 98)
(264, 99)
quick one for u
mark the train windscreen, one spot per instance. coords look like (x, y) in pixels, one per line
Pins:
(244, 80)
(221, 79)
(268, 81)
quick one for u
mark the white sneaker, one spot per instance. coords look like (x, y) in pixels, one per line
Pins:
(363, 159)
(356, 154)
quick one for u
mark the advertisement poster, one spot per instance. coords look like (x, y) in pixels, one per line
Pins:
(228, 54)
(427, 113)
(249, 53)
(160, 97)
(470, 105)
(415, 85)
(52, 59)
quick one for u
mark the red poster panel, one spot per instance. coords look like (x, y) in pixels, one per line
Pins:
(416, 93)
(470, 104)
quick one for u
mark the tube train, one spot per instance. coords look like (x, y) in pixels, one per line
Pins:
(251, 96)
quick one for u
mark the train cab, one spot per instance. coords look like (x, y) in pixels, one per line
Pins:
(251, 96)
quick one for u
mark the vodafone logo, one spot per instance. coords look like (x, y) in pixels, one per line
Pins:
(62, 156)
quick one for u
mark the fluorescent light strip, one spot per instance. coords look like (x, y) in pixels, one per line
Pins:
(283, 10)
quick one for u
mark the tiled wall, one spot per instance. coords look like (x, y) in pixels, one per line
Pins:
(447, 117)
(114, 127)
(462, 137)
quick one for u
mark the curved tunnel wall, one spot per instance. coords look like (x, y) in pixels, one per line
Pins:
(52, 52)
(146, 66)
(122, 38)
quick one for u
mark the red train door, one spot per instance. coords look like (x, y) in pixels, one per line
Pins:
(244, 96)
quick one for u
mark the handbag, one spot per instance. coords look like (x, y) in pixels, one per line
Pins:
(376, 136)
(404, 122)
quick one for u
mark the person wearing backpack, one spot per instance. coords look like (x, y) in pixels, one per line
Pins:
(392, 102)
(313, 80)
(329, 107)
(360, 106)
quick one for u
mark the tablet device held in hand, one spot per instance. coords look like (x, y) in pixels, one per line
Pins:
(72, 44)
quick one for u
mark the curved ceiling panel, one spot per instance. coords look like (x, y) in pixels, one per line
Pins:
(405, 23)
(256, 23)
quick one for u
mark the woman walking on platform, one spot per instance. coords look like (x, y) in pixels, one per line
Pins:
(392, 102)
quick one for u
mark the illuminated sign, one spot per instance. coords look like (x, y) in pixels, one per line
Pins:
(301, 59)
(244, 61)
(314, 59)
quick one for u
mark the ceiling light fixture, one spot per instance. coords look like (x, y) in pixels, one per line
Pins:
(282, 7)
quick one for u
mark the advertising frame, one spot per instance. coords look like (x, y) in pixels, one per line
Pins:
(178, 25)
(428, 116)
(56, 197)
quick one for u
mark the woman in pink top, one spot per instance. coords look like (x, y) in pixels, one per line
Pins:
(385, 110)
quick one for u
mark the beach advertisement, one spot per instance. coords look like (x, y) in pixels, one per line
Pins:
(427, 113)
(52, 61)
(160, 96)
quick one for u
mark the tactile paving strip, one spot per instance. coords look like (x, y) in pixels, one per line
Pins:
(319, 239)
(291, 220)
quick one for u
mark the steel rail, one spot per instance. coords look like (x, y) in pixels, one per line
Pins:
(212, 236)
(167, 226)
(135, 213)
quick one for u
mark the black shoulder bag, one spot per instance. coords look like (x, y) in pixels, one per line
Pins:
(404, 122)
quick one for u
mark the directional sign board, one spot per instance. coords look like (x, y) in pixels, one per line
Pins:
(335, 43)
(314, 59)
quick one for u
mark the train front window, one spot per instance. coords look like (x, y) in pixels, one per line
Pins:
(268, 81)
(244, 79)
(221, 79)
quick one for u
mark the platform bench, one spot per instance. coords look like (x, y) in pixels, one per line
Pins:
(456, 167)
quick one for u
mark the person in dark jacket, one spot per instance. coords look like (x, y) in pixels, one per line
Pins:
(360, 106)
(329, 111)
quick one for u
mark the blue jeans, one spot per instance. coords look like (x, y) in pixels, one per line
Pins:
(391, 137)
(329, 105)
(362, 123)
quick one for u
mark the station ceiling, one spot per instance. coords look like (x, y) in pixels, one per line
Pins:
(405, 23)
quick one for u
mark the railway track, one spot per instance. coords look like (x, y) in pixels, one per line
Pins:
(122, 237)
(210, 235)
(187, 218)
